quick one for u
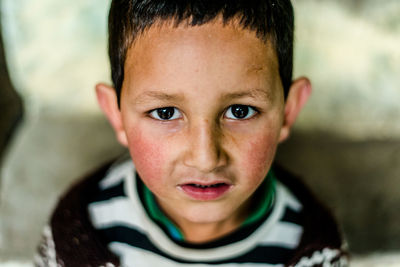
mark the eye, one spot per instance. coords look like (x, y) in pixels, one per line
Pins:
(166, 114)
(240, 112)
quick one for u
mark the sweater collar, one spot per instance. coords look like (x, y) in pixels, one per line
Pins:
(265, 194)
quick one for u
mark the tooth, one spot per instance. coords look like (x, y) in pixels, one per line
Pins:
(206, 186)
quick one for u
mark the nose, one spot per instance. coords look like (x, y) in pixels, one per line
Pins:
(204, 151)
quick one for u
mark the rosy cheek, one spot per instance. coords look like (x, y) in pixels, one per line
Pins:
(259, 156)
(148, 155)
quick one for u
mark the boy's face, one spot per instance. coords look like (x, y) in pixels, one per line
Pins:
(202, 112)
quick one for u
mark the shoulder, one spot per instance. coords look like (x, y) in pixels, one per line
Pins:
(321, 241)
(70, 239)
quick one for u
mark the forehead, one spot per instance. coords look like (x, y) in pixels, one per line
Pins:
(223, 53)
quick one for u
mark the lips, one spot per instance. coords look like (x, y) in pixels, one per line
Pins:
(205, 192)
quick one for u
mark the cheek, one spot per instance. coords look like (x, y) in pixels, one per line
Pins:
(259, 155)
(148, 155)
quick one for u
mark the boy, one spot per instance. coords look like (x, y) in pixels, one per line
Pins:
(202, 95)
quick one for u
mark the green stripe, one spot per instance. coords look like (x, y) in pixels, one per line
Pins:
(157, 215)
(266, 202)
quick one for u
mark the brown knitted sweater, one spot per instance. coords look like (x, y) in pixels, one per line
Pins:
(71, 240)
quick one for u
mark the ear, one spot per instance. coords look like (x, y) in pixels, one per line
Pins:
(108, 101)
(299, 93)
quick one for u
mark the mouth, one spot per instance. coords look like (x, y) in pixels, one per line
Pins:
(205, 192)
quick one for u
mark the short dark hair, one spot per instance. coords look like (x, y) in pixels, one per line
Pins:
(272, 20)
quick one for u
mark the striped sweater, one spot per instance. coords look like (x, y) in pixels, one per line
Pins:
(102, 221)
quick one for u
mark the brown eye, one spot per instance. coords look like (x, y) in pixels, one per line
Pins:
(240, 112)
(165, 114)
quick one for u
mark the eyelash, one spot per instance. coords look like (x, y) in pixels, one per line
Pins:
(154, 113)
(251, 110)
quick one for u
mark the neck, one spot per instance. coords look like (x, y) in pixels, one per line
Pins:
(202, 232)
(198, 233)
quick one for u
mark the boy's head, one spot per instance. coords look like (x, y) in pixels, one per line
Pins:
(271, 20)
(202, 103)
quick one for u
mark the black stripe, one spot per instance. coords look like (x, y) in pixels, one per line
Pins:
(266, 254)
(292, 216)
(261, 254)
(109, 193)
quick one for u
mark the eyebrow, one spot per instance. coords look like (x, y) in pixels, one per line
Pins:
(253, 93)
(151, 95)
(161, 96)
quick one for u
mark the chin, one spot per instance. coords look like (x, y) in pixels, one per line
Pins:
(206, 214)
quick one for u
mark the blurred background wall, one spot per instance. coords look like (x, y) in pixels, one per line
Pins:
(10, 103)
(346, 143)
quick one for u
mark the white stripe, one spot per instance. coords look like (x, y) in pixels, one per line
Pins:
(117, 211)
(291, 200)
(133, 257)
(117, 174)
(283, 234)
